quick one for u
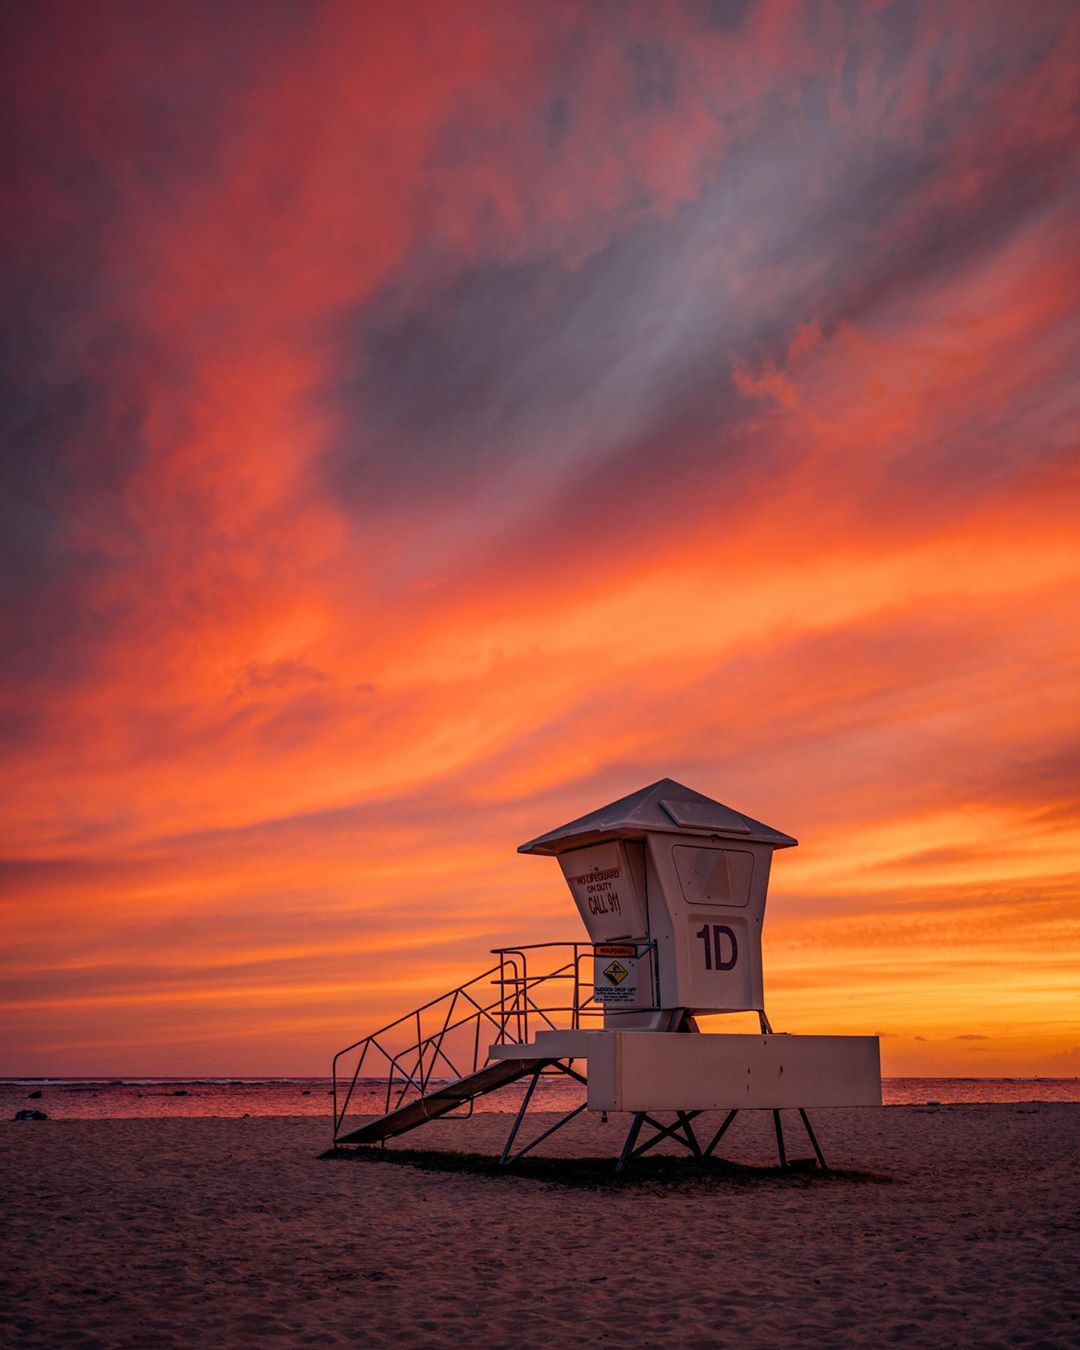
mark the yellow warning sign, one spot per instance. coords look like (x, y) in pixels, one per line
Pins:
(616, 972)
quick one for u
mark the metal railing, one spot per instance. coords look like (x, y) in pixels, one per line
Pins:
(505, 1004)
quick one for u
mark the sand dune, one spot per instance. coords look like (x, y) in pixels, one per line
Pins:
(232, 1232)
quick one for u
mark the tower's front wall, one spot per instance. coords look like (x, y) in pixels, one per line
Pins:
(706, 903)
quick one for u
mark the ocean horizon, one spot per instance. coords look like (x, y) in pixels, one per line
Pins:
(93, 1097)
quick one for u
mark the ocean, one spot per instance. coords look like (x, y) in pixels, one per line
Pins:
(116, 1098)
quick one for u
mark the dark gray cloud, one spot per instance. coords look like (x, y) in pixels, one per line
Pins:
(726, 15)
(653, 72)
(555, 369)
(81, 369)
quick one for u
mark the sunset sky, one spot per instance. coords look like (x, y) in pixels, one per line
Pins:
(424, 423)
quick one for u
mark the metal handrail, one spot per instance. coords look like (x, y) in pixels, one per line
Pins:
(581, 951)
(509, 1011)
(394, 1061)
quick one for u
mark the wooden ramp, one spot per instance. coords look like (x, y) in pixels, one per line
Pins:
(440, 1102)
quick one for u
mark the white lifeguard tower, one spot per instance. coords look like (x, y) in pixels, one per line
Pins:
(671, 888)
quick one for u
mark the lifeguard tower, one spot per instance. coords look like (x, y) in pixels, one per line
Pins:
(671, 888)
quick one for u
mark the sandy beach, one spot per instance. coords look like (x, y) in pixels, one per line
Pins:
(960, 1228)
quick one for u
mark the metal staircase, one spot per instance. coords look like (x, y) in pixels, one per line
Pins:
(440, 1102)
(434, 1060)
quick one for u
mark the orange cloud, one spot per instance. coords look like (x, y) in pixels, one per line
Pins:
(423, 429)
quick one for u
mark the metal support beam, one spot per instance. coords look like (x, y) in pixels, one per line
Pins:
(505, 1159)
(631, 1139)
(565, 1120)
(720, 1133)
(520, 1114)
(676, 1131)
(688, 1130)
(813, 1140)
(780, 1140)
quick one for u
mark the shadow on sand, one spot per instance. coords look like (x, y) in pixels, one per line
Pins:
(599, 1173)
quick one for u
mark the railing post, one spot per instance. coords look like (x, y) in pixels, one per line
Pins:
(333, 1133)
(521, 991)
(502, 998)
(420, 1050)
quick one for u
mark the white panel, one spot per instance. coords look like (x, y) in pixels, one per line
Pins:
(658, 1071)
(606, 891)
(720, 961)
(620, 980)
(714, 876)
(705, 816)
(562, 1044)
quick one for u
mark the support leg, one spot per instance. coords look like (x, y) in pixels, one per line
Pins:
(677, 1131)
(688, 1130)
(520, 1115)
(631, 1140)
(563, 1120)
(780, 1140)
(813, 1140)
(720, 1133)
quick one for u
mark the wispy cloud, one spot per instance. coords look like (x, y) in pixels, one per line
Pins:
(420, 429)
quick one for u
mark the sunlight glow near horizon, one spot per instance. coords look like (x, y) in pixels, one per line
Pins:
(426, 428)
